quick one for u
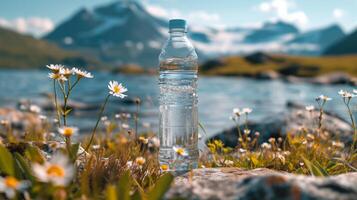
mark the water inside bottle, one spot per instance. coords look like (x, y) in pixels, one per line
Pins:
(178, 129)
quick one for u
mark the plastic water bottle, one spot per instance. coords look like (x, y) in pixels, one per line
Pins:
(178, 128)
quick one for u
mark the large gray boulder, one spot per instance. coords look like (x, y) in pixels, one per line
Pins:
(292, 121)
(262, 184)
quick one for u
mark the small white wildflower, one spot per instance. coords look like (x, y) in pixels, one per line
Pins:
(246, 110)
(236, 111)
(323, 98)
(68, 131)
(146, 125)
(57, 76)
(35, 109)
(143, 140)
(96, 146)
(338, 144)
(9, 185)
(117, 89)
(65, 72)
(104, 118)
(271, 140)
(154, 142)
(82, 73)
(242, 150)
(257, 134)
(58, 170)
(246, 131)
(180, 151)
(164, 167)
(310, 136)
(55, 68)
(140, 161)
(42, 117)
(346, 94)
(125, 126)
(228, 163)
(129, 164)
(310, 108)
(266, 145)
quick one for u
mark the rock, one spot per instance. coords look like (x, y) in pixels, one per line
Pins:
(211, 64)
(335, 78)
(291, 121)
(235, 183)
(267, 75)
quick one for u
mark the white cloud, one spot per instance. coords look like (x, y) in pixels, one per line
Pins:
(338, 13)
(284, 10)
(33, 25)
(196, 17)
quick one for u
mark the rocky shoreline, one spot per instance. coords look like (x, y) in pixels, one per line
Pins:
(261, 183)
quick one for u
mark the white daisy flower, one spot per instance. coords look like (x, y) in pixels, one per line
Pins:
(266, 145)
(236, 111)
(82, 73)
(246, 131)
(57, 76)
(55, 68)
(9, 185)
(143, 140)
(164, 167)
(66, 72)
(247, 110)
(154, 142)
(310, 108)
(35, 109)
(125, 126)
(58, 171)
(129, 164)
(323, 98)
(346, 94)
(180, 151)
(140, 161)
(117, 89)
(68, 131)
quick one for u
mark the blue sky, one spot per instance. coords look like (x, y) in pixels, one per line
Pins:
(40, 16)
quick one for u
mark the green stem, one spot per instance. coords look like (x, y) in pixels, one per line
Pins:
(97, 123)
(56, 103)
(353, 126)
(136, 119)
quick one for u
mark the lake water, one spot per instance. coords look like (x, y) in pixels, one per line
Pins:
(217, 96)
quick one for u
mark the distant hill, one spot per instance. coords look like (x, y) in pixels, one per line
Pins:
(347, 45)
(321, 38)
(21, 51)
(270, 32)
(124, 32)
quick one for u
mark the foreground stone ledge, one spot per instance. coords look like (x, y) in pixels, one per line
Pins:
(235, 183)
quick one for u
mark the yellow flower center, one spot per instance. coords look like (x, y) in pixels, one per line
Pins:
(68, 131)
(180, 151)
(11, 182)
(140, 161)
(56, 171)
(164, 167)
(116, 89)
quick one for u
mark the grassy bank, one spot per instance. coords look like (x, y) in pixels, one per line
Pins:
(283, 64)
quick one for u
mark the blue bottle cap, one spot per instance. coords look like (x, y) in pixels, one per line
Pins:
(177, 24)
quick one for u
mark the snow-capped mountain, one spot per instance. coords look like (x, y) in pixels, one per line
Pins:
(125, 32)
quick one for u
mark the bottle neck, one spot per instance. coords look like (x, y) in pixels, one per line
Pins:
(177, 33)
